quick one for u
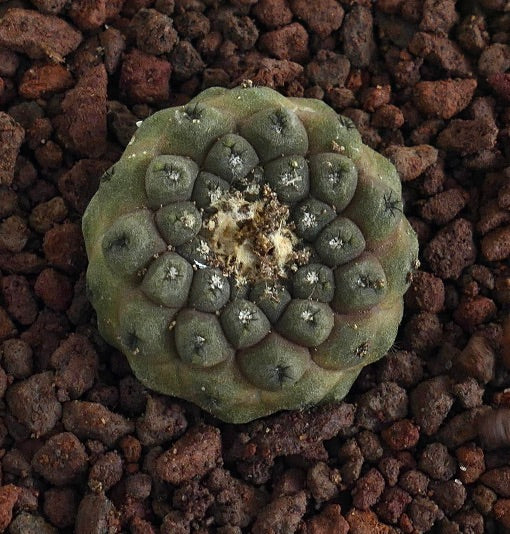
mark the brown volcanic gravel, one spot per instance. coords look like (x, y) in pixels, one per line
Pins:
(422, 442)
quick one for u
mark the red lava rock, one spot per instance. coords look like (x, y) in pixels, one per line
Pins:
(41, 81)
(438, 16)
(61, 460)
(414, 482)
(144, 78)
(192, 500)
(494, 59)
(185, 61)
(500, 83)
(113, 43)
(154, 32)
(322, 482)
(328, 69)
(289, 482)
(89, 14)
(60, 506)
(471, 463)
(161, 421)
(430, 403)
(339, 98)
(36, 35)
(39, 132)
(385, 403)
(241, 31)
(468, 136)
(357, 36)
(286, 434)
(498, 479)
(444, 98)
(46, 214)
(329, 521)
(16, 357)
(324, 20)
(392, 504)
(374, 97)
(445, 206)
(75, 362)
(440, 51)
(496, 244)
(55, 289)
(388, 116)
(9, 62)
(281, 515)
(52, 7)
(195, 25)
(365, 522)
(63, 247)
(106, 472)
(425, 132)
(472, 33)
(8, 496)
(473, 311)
(18, 299)
(131, 448)
(389, 6)
(501, 511)
(449, 495)
(401, 435)
(34, 404)
(402, 367)
(451, 250)
(423, 513)
(11, 137)
(491, 216)
(195, 454)
(368, 489)
(469, 393)
(49, 155)
(273, 13)
(483, 499)
(370, 445)
(96, 510)
(79, 184)
(411, 162)
(504, 194)
(140, 526)
(132, 395)
(351, 460)
(289, 42)
(423, 333)
(236, 502)
(82, 124)
(275, 72)
(426, 293)
(45, 334)
(174, 521)
(89, 420)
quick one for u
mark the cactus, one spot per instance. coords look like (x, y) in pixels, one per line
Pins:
(249, 253)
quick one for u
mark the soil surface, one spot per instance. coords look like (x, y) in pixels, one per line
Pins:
(422, 442)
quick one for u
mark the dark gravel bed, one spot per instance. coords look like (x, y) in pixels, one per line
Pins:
(422, 442)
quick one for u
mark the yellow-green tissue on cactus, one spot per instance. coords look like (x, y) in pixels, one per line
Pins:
(249, 253)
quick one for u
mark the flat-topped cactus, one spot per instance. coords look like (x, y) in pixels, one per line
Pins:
(249, 253)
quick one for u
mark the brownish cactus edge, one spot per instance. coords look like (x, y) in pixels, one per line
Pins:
(249, 253)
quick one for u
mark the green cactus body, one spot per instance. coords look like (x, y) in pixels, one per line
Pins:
(249, 253)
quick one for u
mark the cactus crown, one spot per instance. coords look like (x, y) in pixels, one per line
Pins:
(249, 253)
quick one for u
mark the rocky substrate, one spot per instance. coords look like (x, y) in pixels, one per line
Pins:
(422, 442)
